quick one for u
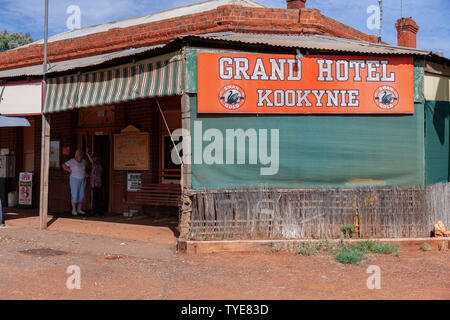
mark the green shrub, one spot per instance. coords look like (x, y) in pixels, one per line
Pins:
(425, 247)
(315, 248)
(354, 253)
(349, 255)
(308, 249)
(348, 231)
(364, 246)
(386, 248)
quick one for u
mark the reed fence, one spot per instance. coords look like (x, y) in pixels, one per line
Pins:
(317, 213)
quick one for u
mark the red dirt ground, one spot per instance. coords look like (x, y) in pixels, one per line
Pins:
(115, 266)
(142, 228)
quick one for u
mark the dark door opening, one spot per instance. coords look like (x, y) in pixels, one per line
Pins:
(101, 148)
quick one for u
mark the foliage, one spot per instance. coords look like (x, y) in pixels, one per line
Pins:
(13, 40)
(308, 249)
(349, 255)
(315, 248)
(364, 246)
(385, 248)
(352, 253)
(348, 231)
(425, 247)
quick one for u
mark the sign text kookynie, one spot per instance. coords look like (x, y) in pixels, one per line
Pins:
(261, 83)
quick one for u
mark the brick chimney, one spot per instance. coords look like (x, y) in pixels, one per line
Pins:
(295, 4)
(407, 30)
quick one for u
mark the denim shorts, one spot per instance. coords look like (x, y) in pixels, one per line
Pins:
(77, 189)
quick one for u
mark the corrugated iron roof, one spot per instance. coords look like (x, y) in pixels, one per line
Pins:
(313, 42)
(67, 65)
(153, 17)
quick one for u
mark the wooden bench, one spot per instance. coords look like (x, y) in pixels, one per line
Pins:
(168, 195)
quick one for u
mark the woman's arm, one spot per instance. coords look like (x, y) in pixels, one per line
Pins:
(66, 168)
(89, 156)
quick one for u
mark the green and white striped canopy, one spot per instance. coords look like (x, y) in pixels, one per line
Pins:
(158, 79)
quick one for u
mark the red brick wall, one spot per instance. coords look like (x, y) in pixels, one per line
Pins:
(224, 18)
(407, 30)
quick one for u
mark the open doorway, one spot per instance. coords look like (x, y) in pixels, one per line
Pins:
(101, 148)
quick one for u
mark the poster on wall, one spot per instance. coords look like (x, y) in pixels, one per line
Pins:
(55, 153)
(25, 188)
(133, 182)
(283, 84)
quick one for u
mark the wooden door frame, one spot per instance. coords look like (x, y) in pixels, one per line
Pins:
(106, 131)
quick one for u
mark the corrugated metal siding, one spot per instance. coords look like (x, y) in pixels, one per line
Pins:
(437, 145)
(322, 151)
(62, 66)
(313, 42)
(319, 151)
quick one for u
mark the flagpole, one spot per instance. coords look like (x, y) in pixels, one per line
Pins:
(43, 203)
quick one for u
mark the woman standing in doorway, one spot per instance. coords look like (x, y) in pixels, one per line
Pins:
(96, 182)
(77, 169)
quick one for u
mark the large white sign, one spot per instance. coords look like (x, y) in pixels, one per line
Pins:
(21, 99)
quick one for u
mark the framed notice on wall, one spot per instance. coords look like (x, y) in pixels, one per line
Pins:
(131, 150)
(133, 182)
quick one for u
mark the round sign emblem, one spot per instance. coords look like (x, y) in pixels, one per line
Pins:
(232, 97)
(386, 97)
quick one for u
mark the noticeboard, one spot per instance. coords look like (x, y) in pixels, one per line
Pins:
(131, 151)
(133, 182)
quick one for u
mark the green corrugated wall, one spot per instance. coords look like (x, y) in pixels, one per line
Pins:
(437, 144)
(321, 150)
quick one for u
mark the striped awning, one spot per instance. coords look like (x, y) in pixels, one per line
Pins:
(157, 79)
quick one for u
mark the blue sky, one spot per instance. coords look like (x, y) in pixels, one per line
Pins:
(431, 15)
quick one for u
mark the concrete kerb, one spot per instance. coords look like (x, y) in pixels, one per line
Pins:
(222, 246)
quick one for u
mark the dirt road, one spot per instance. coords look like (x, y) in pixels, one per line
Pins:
(33, 265)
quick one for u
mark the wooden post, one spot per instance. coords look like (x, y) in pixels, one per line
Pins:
(45, 164)
(45, 139)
